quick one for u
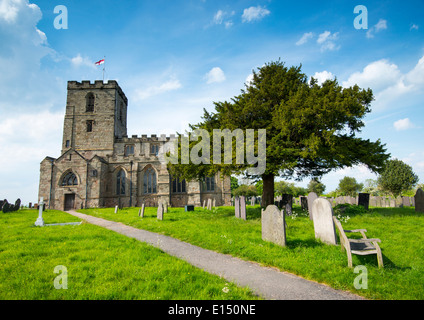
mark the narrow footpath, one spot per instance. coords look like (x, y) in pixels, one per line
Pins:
(268, 283)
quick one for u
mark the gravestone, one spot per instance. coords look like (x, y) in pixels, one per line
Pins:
(40, 220)
(237, 207)
(287, 203)
(243, 207)
(304, 203)
(273, 225)
(204, 204)
(189, 207)
(160, 212)
(364, 200)
(406, 202)
(165, 207)
(311, 198)
(419, 200)
(214, 203)
(141, 211)
(209, 204)
(253, 201)
(324, 228)
(116, 209)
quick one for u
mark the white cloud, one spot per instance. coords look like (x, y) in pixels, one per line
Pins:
(221, 16)
(390, 86)
(9, 10)
(403, 124)
(215, 75)
(170, 85)
(254, 14)
(218, 17)
(305, 38)
(249, 80)
(321, 77)
(414, 27)
(381, 25)
(79, 61)
(327, 41)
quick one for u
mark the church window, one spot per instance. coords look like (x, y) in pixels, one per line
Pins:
(70, 179)
(90, 103)
(149, 181)
(154, 149)
(120, 182)
(178, 186)
(68, 143)
(209, 184)
(129, 149)
(90, 125)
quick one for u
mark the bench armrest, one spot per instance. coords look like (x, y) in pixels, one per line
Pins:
(364, 240)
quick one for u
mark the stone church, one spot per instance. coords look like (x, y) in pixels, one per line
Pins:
(100, 166)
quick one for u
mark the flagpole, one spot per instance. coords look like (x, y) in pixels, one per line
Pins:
(104, 66)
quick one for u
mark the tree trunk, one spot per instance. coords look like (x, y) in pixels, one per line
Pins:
(268, 190)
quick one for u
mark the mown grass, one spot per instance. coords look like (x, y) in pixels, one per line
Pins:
(101, 264)
(400, 229)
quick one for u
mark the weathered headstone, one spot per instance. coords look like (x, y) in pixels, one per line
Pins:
(209, 204)
(312, 196)
(253, 201)
(324, 228)
(237, 207)
(141, 211)
(160, 212)
(364, 200)
(406, 201)
(273, 225)
(419, 200)
(214, 203)
(243, 207)
(204, 204)
(165, 207)
(116, 209)
(304, 203)
(40, 220)
(287, 203)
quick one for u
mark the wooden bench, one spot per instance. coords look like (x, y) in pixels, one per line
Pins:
(361, 247)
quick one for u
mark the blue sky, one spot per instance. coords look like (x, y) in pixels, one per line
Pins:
(174, 58)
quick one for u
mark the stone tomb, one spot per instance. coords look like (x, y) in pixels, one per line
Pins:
(273, 225)
(419, 200)
(324, 228)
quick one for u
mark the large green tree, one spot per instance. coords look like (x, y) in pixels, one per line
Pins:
(397, 177)
(348, 186)
(310, 128)
(316, 186)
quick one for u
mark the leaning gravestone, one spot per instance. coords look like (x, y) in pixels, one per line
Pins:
(160, 212)
(419, 200)
(141, 211)
(324, 228)
(242, 207)
(273, 225)
(364, 200)
(17, 205)
(209, 204)
(311, 198)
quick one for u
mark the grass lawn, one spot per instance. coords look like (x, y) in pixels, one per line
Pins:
(400, 229)
(101, 264)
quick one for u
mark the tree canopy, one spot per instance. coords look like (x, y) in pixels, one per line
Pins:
(310, 128)
(397, 177)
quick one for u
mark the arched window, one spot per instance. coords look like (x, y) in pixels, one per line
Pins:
(178, 186)
(149, 181)
(120, 183)
(70, 179)
(90, 103)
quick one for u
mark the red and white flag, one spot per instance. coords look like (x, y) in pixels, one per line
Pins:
(98, 63)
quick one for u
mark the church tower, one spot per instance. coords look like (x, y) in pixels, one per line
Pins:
(96, 115)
